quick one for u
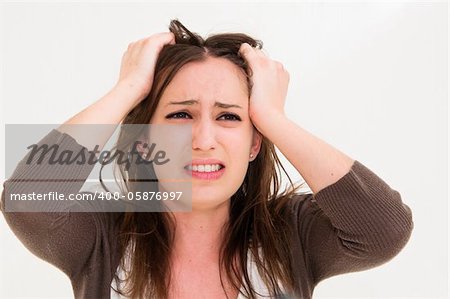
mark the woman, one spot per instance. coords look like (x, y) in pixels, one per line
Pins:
(242, 238)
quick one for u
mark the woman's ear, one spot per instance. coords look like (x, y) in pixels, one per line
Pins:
(256, 144)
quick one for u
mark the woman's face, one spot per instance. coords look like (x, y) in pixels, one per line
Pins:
(212, 97)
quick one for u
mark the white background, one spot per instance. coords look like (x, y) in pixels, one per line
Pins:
(370, 78)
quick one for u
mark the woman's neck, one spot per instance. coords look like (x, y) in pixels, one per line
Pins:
(200, 232)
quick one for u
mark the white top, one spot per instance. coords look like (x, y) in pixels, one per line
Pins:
(258, 284)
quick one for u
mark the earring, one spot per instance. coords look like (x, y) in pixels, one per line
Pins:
(251, 155)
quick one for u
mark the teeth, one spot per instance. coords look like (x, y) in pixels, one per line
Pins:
(204, 168)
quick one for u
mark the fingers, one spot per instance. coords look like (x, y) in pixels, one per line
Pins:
(161, 39)
(257, 58)
(249, 53)
(246, 50)
(156, 41)
(138, 61)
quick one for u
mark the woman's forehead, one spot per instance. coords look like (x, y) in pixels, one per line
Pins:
(218, 73)
(207, 82)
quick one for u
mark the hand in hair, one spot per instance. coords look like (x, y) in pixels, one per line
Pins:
(138, 62)
(269, 85)
(135, 82)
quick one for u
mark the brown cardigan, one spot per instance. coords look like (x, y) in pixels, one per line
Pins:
(357, 223)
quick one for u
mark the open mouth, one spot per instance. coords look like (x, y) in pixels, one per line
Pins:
(205, 168)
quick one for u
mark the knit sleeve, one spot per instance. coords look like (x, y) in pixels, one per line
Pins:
(66, 238)
(357, 223)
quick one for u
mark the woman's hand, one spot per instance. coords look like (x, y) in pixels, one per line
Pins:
(134, 84)
(138, 63)
(270, 83)
(318, 163)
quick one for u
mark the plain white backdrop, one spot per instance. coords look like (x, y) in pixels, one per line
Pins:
(370, 78)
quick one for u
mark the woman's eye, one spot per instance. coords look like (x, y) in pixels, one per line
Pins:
(184, 115)
(178, 115)
(231, 117)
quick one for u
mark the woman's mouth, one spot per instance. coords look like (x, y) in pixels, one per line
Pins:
(205, 171)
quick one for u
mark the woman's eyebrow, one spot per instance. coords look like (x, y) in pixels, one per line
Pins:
(216, 104)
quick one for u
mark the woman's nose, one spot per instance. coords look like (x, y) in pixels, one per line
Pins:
(203, 136)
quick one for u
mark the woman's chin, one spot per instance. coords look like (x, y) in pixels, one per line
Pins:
(208, 203)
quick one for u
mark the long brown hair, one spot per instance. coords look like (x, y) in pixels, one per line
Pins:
(257, 215)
